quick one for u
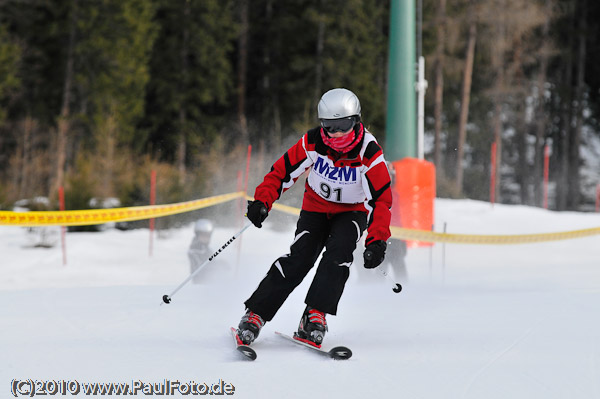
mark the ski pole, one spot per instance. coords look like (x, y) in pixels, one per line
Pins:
(397, 287)
(167, 298)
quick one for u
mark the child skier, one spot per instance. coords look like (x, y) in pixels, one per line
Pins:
(347, 191)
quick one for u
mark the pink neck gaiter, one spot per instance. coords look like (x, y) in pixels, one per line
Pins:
(345, 143)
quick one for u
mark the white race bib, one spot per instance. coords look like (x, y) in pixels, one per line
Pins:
(336, 184)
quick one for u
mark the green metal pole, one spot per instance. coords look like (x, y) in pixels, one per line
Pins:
(401, 121)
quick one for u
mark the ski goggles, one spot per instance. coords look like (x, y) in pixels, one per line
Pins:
(339, 125)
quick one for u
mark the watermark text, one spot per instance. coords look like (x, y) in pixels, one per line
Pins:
(31, 388)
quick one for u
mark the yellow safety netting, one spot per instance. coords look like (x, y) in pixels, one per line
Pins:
(99, 216)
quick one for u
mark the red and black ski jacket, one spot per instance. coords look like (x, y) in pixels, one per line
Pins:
(356, 181)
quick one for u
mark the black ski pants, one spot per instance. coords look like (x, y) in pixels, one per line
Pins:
(338, 234)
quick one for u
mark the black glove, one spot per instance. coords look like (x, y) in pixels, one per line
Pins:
(257, 212)
(374, 254)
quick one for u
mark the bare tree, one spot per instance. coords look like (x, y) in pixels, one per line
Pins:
(465, 98)
(510, 24)
(520, 94)
(566, 118)
(243, 67)
(541, 119)
(185, 50)
(106, 144)
(319, 55)
(574, 196)
(272, 115)
(65, 110)
(439, 82)
(25, 152)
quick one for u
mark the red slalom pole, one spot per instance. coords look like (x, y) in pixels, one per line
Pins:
(546, 173)
(63, 229)
(152, 202)
(493, 175)
(242, 200)
(247, 168)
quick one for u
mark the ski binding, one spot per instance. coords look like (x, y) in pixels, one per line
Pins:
(242, 348)
(337, 353)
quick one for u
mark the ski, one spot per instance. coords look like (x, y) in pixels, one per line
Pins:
(337, 353)
(245, 350)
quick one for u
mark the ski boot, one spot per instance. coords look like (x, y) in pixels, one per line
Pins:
(312, 327)
(249, 327)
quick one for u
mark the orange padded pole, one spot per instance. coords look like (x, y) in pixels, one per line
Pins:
(414, 195)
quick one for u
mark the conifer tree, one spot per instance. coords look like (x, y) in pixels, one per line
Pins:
(10, 54)
(112, 50)
(192, 76)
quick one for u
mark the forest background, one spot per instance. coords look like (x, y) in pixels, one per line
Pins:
(96, 93)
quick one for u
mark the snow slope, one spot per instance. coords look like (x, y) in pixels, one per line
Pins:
(515, 321)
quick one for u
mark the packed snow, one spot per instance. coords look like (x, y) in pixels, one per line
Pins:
(473, 321)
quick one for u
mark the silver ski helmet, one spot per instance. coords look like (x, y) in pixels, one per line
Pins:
(339, 110)
(338, 103)
(203, 226)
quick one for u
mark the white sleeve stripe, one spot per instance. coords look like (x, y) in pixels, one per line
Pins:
(377, 161)
(297, 173)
